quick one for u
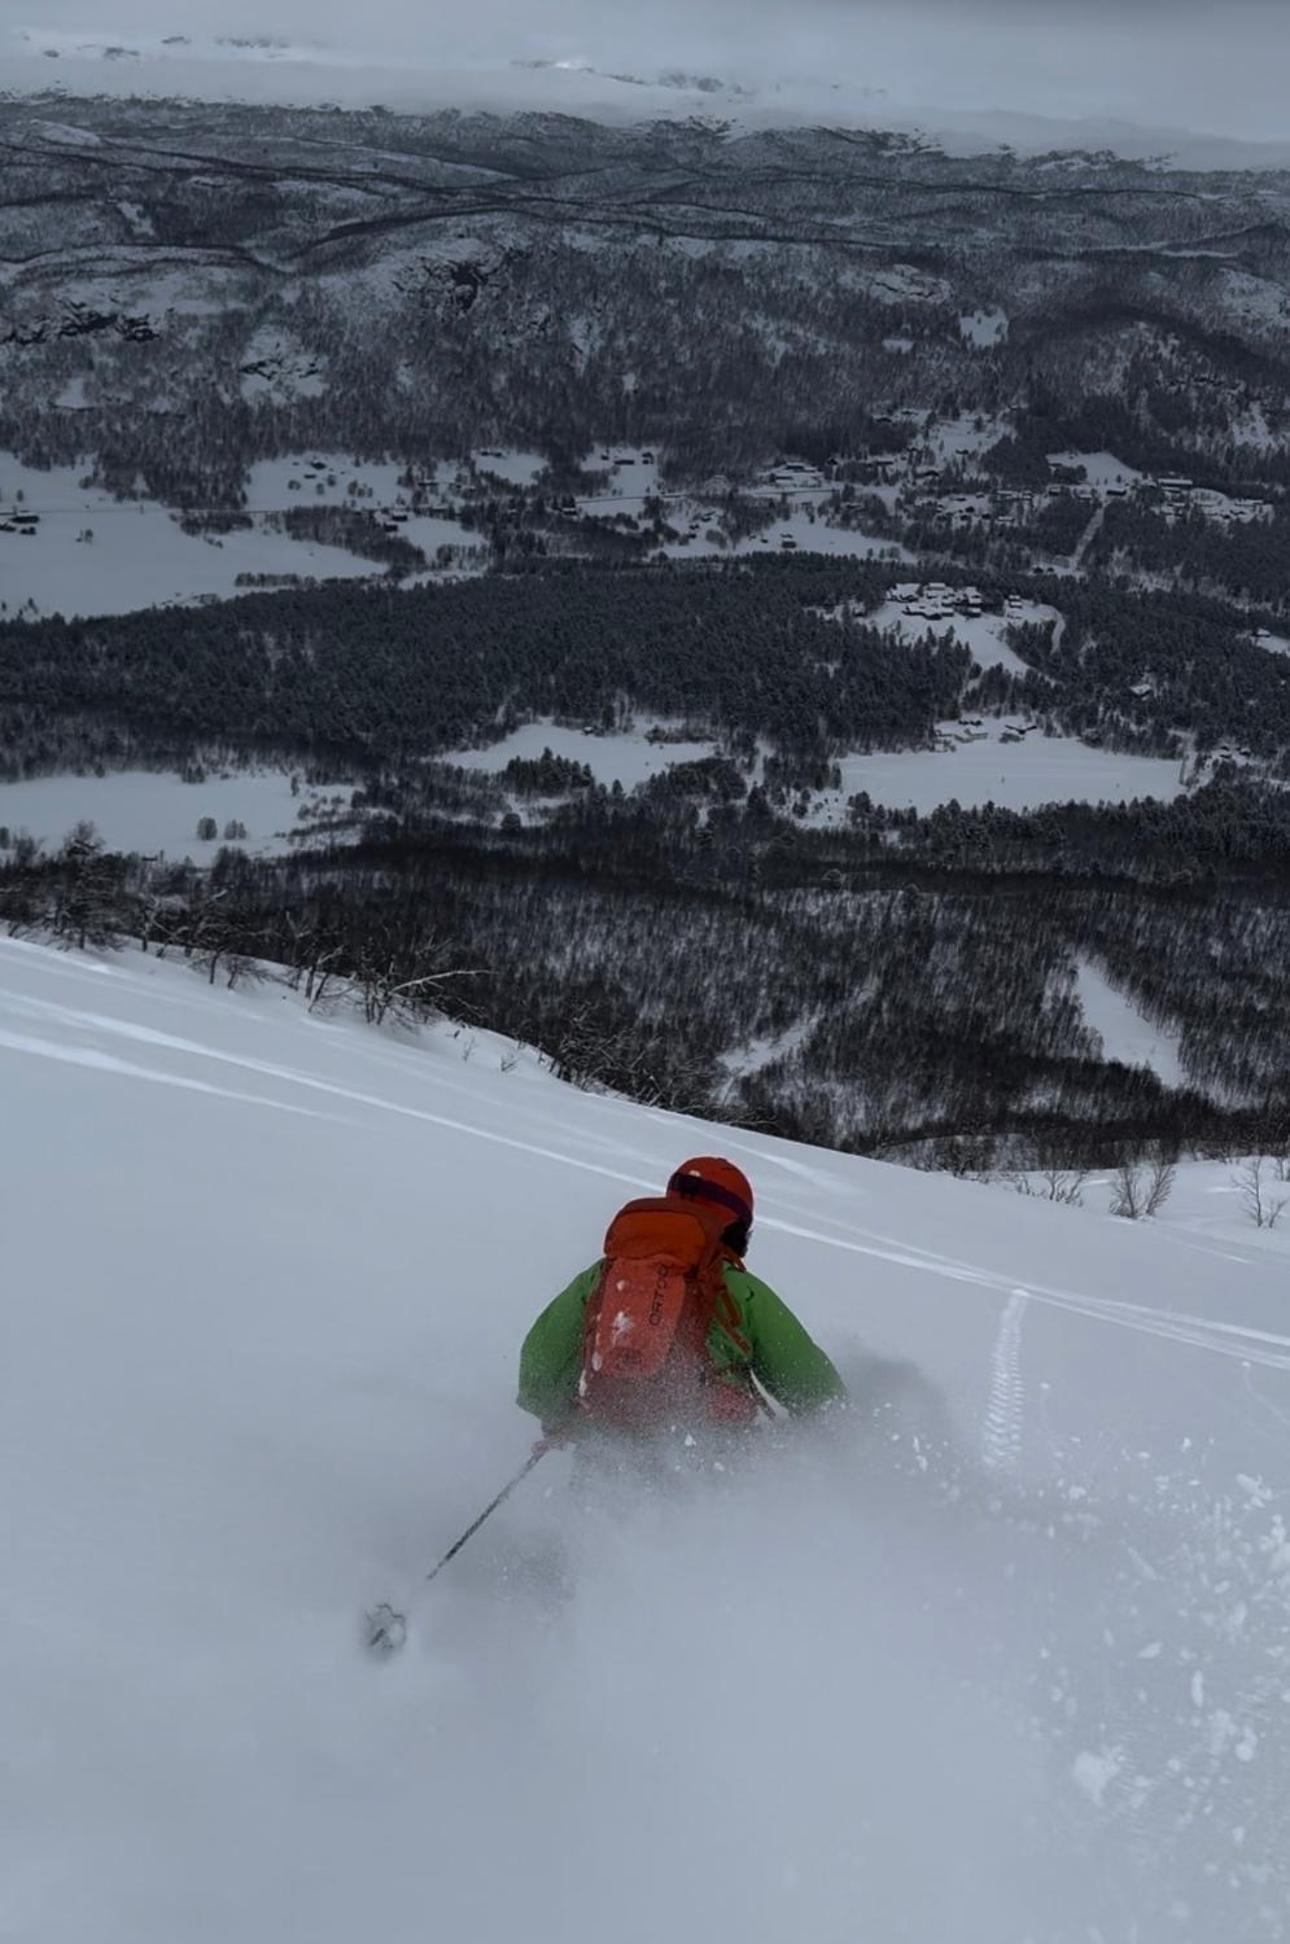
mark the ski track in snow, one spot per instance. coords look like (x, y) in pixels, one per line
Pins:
(1267, 1348)
(87, 1056)
(1005, 1414)
(1227, 1339)
(293, 1077)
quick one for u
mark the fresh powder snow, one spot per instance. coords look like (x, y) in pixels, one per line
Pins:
(999, 1656)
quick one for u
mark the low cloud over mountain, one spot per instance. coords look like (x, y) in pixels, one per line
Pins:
(1153, 62)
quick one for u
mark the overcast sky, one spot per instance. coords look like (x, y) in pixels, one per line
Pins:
(1222, 65)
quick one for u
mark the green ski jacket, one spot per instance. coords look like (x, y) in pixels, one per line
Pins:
(784, 1360)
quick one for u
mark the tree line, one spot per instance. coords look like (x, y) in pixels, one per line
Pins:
(706, 955)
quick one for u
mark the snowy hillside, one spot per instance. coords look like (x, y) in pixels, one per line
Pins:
(1003, 1660)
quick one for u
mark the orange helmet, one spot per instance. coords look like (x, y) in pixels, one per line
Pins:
(709, 1179)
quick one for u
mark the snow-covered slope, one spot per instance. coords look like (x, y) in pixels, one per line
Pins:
(1004, 1658)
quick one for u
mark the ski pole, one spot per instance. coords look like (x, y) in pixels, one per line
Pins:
(387, 1628)
(535, 1457)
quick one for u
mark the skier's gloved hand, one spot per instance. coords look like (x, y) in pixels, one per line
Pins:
(828, 1425)
(553, 1436)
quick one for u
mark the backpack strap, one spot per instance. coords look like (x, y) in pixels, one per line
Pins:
(727, 1314)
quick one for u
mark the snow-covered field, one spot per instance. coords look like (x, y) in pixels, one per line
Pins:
(149, 811)
(992, 763)
(985, 329)
(92, 554)
(815, 536)
(992, 768)
(373, 486)
(1003, 1657)
(628, 759)
(516, 468)
(798, 533)
(329, 478)
(136, 554)
(632, 478)
(1103, 469)
(965, 437)
(1125, 1034)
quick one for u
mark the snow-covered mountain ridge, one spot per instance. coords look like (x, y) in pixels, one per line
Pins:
(969, 103)
(288, 281)
(1006, 1659)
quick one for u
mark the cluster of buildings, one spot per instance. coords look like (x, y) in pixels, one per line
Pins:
(1180, 494)
(795, 475)
(935, 601)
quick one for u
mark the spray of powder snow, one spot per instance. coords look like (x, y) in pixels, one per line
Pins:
(851, 1692)
(700, 1713)
(856, 1688)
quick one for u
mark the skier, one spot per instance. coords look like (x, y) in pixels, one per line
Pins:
(668, 1335)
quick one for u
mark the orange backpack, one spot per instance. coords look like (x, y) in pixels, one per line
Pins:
(645, 1348)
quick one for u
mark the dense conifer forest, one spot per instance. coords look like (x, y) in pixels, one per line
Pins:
(775, 649)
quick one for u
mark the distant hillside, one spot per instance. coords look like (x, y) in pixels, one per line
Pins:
(271, 279)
